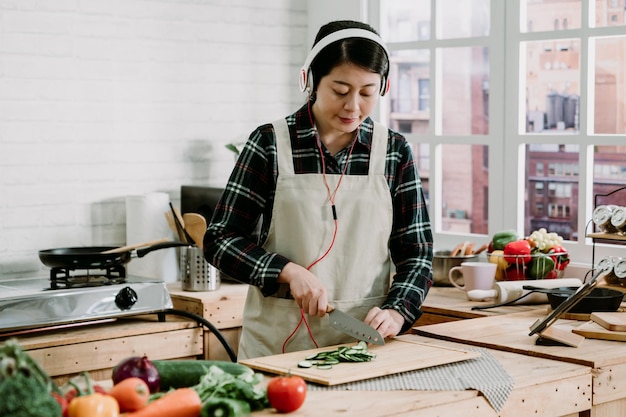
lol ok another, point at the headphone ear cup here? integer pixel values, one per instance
(303, 79)
(309, 82)
(306, 80)
(384, 88)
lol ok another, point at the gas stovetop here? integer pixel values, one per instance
(31, 303)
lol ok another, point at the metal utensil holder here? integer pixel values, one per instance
(196, 273)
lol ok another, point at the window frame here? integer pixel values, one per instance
(506, 142)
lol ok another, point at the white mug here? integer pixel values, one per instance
(476, 275)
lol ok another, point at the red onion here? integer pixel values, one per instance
(139, 367)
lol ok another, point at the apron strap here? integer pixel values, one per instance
(285, 158)
(283, 147)
(378, 156)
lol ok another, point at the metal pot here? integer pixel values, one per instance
(443, 262)
(600, 299)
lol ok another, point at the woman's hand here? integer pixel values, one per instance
(306, 289)
(388, 322)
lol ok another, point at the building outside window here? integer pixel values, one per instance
(521, 84)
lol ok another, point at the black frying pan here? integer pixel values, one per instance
(92, 257)
(599, 299)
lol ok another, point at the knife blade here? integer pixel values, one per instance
(347, 324)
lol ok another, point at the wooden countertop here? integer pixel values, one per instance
(542, 387)
(510, 333)
(444, 304)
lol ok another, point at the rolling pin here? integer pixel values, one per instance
(507, 291)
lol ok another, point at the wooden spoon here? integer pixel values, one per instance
(195, 225)
(135, 246)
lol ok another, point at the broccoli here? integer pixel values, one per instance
(24, 396)
(25, 389)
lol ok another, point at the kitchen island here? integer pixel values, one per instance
(542, 387)
(509, 333)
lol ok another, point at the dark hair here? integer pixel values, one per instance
(362, 52)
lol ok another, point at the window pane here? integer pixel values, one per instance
(409, 94)
(463, 19)
(552, 85)
(549, 15)
(551, 199)
(465, 91)
(610, 85)
(465, 188)
(609, 13)
(609, 173)
(405, 20)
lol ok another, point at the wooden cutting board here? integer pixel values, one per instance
(397, 355)
(593, 330)
(610, 321)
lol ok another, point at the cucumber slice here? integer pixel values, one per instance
(324, 366)
(305, 364)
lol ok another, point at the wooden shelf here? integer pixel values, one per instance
(607, 236)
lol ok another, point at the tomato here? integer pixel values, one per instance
(62, 402)
(515, 273)
(286, 393)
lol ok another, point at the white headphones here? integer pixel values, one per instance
(306, 78)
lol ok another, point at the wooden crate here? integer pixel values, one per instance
(98, 346)
(223, 308)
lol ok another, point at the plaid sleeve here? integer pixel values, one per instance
(230, 243)
(411, 241)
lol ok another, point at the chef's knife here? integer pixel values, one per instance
(347, 324)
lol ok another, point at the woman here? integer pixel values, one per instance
(340, 201)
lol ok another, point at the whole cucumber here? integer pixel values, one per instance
(179, 373)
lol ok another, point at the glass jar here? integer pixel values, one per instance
(618, 219)
(602, 216)
(619, 270)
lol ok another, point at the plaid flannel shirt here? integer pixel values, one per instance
(233, 241)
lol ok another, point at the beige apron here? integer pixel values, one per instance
(355, 272)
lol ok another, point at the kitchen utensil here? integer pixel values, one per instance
(542, 324)
(180, 226)
(347, 324)
(195, 225)
(615, 321)
(443, 261)
(599, 299)
(401, 354)
(196, 273)
(92, 257)
(520, 292)
(593, 330)
(136, 246)
(169, 216)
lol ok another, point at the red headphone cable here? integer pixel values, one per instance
(331, 198)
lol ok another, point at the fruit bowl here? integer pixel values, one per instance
(529, 267)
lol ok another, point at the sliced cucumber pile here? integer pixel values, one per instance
(326, 360)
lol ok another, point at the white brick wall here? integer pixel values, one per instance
(101, 99)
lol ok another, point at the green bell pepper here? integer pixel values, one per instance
(500, 239)
(540, 266)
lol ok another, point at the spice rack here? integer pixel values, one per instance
(603, 237)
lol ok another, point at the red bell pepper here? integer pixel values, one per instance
(517, 252)
(560, 257)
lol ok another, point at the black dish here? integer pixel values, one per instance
(600, 299)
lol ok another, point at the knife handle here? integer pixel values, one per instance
(329, 308)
